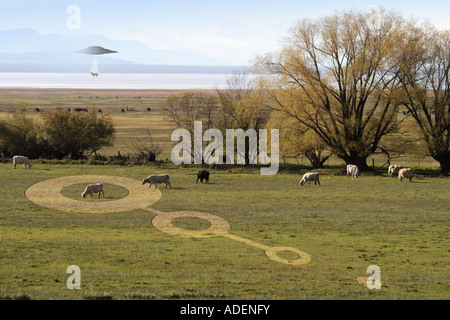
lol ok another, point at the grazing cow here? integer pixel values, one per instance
(405, 173)
(21, 160)
(93, 188)
(353, 170)
(310, 176)
(393, 169)
(157, 178)
(37, 110)
(148, 109)
(203, 175)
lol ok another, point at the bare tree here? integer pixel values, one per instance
(425, 79)
(336, 76)
(242, 105)
(147, 149)
(189, 107)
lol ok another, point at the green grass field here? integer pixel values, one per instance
(345, 225)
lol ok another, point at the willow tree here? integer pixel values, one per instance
(425, 79)
(242, 106)
(337, 76)
(296, 141)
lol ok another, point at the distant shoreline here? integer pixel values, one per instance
(118, 92)
(114, 81)
(119, 68)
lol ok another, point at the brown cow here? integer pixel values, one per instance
(203, 175)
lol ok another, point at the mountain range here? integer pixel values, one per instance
(26, 50)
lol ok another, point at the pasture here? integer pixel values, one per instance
(345, 225)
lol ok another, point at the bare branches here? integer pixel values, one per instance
(343, 74)
(147, 149)
(425, 86)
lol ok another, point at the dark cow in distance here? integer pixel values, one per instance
(203, 175)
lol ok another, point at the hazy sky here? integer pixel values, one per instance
(230, 31)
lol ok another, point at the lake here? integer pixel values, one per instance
(113, 80)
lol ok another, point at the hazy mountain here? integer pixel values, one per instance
(27, 50)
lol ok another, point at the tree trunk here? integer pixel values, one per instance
(316, 160)
(444, 161)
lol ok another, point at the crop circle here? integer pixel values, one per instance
(303, 257)
(217, 225)
(48, 194)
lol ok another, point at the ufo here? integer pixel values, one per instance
(96, 50)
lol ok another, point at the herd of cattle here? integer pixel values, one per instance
(352, 170)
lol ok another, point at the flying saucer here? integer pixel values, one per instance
(95, 50)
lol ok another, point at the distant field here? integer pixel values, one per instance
(345, 225)
(134, 122)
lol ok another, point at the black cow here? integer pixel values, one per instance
(203, 175)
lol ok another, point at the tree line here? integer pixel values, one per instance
(340, 85)
(60, 134)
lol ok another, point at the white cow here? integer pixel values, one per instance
(353, 170)
(93, 188)
(157, 178)
(310, 176)
(21, 160)
(405, 173)
(393, 169)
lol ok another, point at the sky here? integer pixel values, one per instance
(232, 32)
